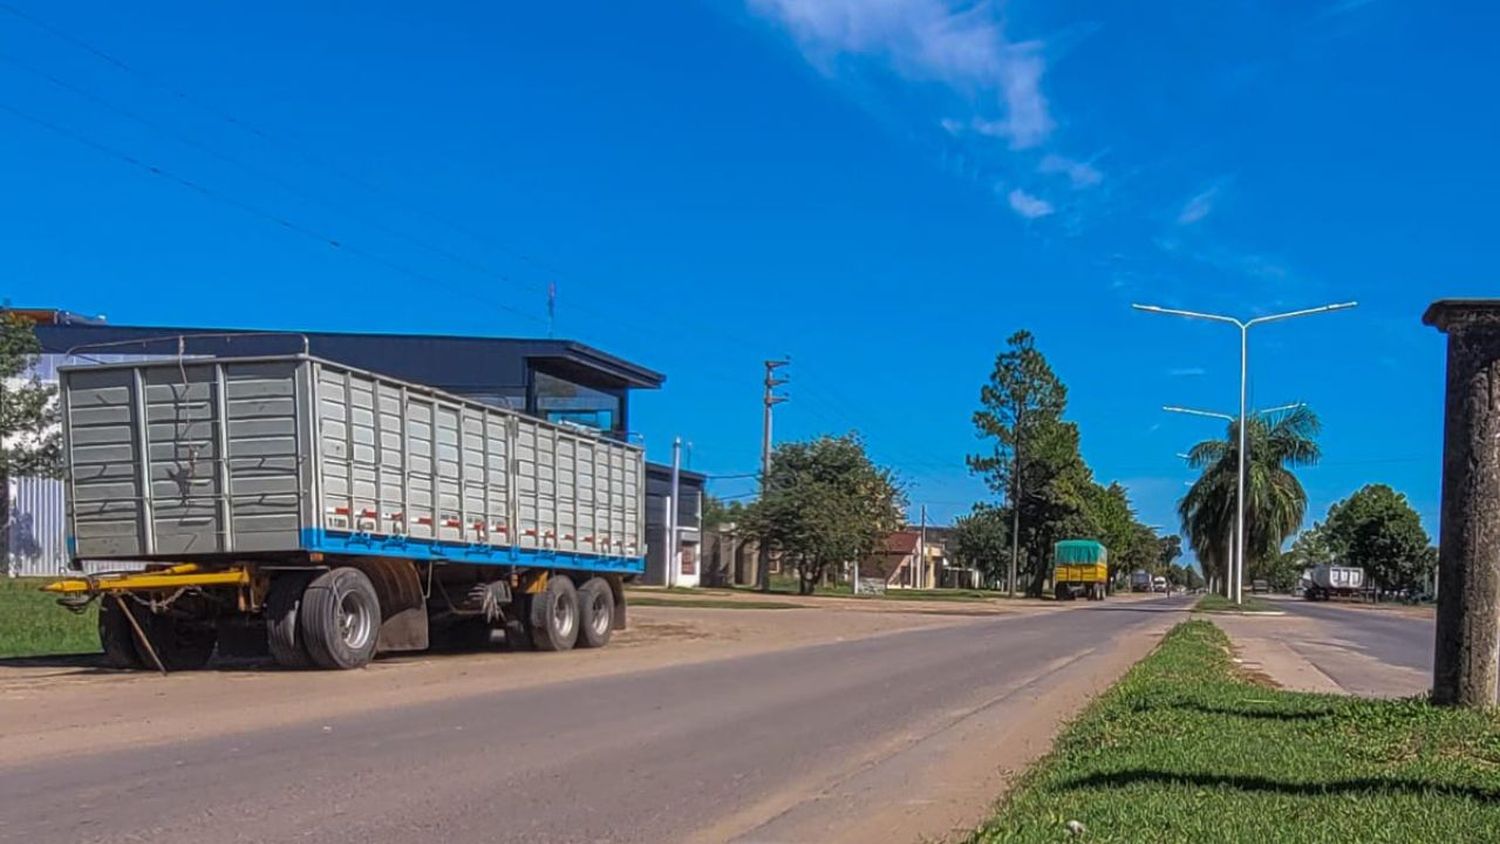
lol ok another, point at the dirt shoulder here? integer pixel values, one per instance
(63, 706)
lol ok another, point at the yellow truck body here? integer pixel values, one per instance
(1083, 573)
(1080, 567)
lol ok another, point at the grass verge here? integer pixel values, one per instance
(1219, 603)
(32, 624)
(712, 603)
(940, 595)
(1184, 750)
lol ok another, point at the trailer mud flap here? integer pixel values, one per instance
(403, 609)
(617, 590)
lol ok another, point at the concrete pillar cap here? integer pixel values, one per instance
(1446, 314)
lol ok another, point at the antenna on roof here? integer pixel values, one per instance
(551, 307)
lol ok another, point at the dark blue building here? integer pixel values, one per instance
(558, 380)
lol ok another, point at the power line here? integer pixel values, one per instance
(246, 207)
(257, 172)
(252, 129)
(839, 409)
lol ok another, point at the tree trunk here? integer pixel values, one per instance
(1465, 671)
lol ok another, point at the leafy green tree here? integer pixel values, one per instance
(716, 511)
(1275, 501)
(1168, 549)
(1131, 544)
(1185, 575)
(30, 437)
(1020, 414)
(825, 504)
(1280, 571)
(1376, 528)
(1057, 505)
(1312, 547)
(981, 539)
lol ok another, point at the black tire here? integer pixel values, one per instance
(182, 644)
(554, 616)
(339, 619)
(596, 613)
(283, 602)
(117, 636)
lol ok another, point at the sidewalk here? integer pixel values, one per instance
(1332, 655)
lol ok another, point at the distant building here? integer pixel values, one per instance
(563, 381)
(689, 570)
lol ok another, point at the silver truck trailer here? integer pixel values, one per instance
(1322, 582)
(326, 513)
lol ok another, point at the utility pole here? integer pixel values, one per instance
(922, 550)
(768, 401)
(674, 546)
(1015, 511)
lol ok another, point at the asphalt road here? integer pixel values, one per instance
(1366, 651)
(804, 744)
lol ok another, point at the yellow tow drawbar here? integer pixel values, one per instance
(175, 577)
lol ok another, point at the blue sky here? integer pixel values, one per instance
(882, 190)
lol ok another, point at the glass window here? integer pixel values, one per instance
(559, 400)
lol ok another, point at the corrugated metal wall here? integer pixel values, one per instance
(36, 536)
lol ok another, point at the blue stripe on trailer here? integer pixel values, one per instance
(345, 542)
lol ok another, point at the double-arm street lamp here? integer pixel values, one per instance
(1236, 573)
(1244, 326)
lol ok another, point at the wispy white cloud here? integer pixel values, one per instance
(1028, 206)
(1198, 207)
(1257, 266)
(963, 47)
(1081, 174)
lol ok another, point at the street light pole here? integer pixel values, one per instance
(1244, 325)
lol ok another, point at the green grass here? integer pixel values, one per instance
(713, 603)
(940, 595)
(32, 624)
(1184, 750)
(1219, 603)
(787, 585)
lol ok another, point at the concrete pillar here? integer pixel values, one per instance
(1467, 660)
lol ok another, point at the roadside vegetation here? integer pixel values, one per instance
(1219, 603)
(32, 624)
(713, 603)
(1185, 750)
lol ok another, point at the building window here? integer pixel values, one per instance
(558, 400)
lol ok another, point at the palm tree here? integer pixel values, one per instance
(1274, 499)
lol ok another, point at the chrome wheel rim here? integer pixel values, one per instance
(600, 615)
(355, 622)
(563, 618)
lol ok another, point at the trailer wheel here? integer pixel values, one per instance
(339, 619)
(282, 604)
(596, 613)
(554, 615)
(116, 635)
